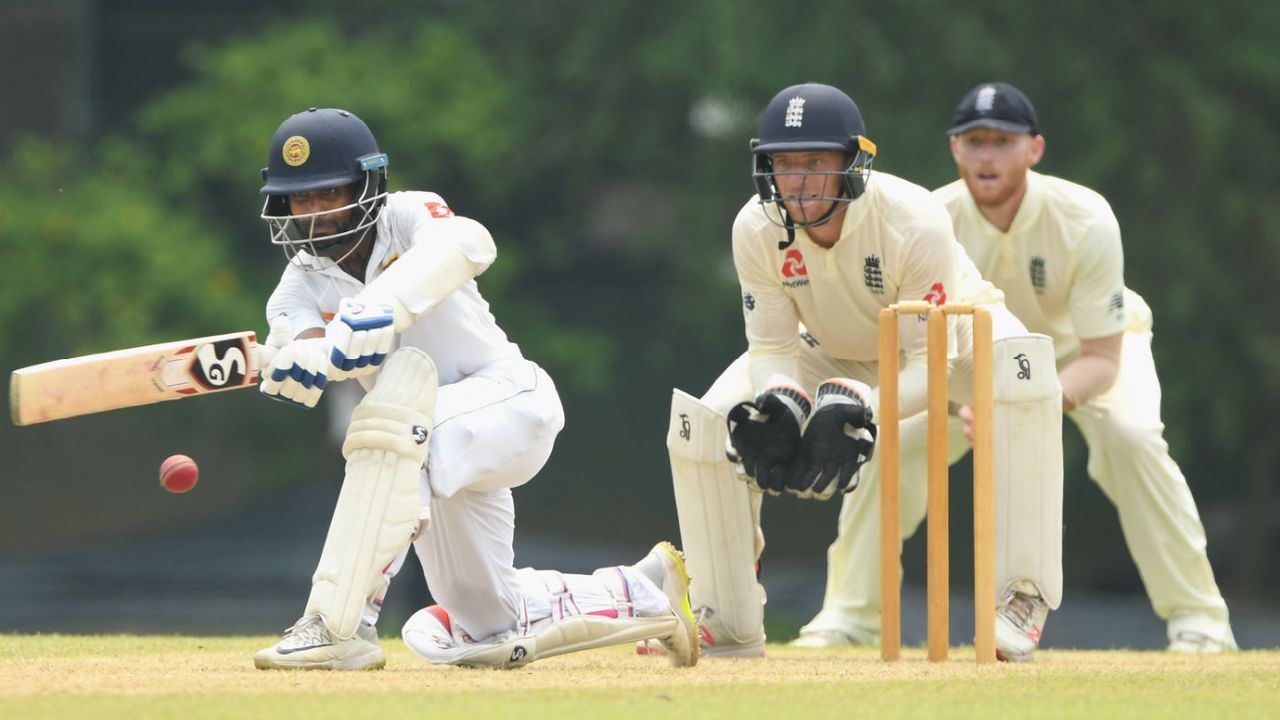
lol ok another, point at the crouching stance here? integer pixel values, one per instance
(819, 251)
(381, 288)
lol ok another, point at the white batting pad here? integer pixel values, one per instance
(1028, 465)
(719, 522)
(584, 632)
(378, 508)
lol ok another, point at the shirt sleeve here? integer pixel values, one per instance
(930, 272)
(772, 320)
(1097, 288)
(424, 216)
(293, 298)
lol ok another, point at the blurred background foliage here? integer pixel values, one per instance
(605, 145)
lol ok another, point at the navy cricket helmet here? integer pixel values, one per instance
(318, 149)
(806, 118)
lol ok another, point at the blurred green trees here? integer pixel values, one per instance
(605, 146)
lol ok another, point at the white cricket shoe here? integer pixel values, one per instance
(1200, 635)
(827, 638)
(682, 645)
(1019, 624)
(309, 645)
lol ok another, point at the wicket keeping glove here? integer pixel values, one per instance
(765, 435)
(361, 335)
(297, 372)
(840, 437)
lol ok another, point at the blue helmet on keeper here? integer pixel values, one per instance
(805, 118)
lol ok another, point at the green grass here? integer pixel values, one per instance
(58, 676)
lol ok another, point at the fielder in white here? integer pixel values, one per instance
(821, 249)
(380, 287)
(1054, 248)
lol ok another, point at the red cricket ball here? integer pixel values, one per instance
(178, 474)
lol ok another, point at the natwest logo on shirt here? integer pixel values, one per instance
(937, 295)
(793, 265)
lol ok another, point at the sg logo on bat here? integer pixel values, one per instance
(221, 364)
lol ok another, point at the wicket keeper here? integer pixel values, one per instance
(820, 249)
(1054, 248)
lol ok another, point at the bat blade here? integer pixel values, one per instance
(133, 376)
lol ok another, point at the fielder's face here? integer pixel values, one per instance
(994, 163)
(809, 182)
(320, 201)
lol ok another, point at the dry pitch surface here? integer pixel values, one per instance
(59, 676)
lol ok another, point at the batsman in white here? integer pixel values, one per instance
(1054, 248)
(381, 287)
(820, 250)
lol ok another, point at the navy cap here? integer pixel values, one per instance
(999, 106)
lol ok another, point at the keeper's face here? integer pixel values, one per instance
(809, 182)
(994, 163)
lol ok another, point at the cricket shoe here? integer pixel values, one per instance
(682, 645)
(827, 638)
(711, 638)
(309, 645)
(1200, 635)
(1019, 624)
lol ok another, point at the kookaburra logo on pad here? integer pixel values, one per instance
(419, 434)
(1024, 366)
(795, 113)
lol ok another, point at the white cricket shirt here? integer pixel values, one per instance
(460, 334)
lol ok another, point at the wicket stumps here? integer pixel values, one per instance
(983, 483)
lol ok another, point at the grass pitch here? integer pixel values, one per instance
(61, 676)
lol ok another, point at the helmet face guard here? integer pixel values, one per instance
(811, 117)
(295, 234)
(853, 182)
(319, 149)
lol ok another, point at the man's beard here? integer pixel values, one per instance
(331, 243)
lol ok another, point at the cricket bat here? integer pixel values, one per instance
(135, 376)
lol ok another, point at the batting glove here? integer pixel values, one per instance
(297, 372)
(279, 337)
(360, 335)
